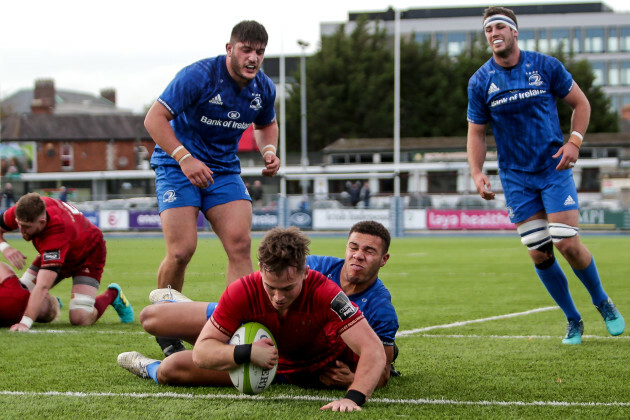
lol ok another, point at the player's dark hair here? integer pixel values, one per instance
(283, 248)
(29, 207)
(374, 228)
(498, 10)
(249, 31)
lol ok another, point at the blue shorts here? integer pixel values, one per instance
(527, 193)
(173, 190)
(210, 309)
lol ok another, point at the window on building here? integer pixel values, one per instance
(456, 43)
(624, 39)
(543, 41)
(614, 78)
(527, 40)
(613, 40)
(594, 40)
(576, 46)
(599, 71)
(560, 40)
(625, 73)
(442, 182)
(422, 38)
(67, 157)
(439, 43)
(590, 180)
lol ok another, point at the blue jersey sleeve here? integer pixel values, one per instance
(561, 79)
(185, 89)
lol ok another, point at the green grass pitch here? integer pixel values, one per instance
(462, 355)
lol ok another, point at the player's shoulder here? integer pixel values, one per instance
(482, 74)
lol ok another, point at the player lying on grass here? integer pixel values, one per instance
(313, 321)
(357, 275)
(69, 245)
(14, 297)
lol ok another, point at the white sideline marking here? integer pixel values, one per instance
(529, 337)
(418, 401)
(474, 321)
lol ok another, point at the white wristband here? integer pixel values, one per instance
(27, 321)
(272, 151)
(577, 134)
(177, 149)
(186, 156)
(4, 245)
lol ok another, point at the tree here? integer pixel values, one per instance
(349, 86)
(350, 93)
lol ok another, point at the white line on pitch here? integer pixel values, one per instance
(416, 401)
(512, 337)
(474, 321)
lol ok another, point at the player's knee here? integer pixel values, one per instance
(561, 231)
(148, 318)
(81, 309)
(239, 248)
(182, 255)
(535, 234)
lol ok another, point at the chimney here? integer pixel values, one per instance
(43, 97)
(109, 94)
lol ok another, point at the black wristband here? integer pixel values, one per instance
(242, 353)
(356, 396)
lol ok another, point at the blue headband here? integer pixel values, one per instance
(500, 18)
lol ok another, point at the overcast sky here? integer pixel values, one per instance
(137, 46)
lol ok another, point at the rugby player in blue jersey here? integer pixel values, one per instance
(357, 275)
(196, 124)
(515, 91)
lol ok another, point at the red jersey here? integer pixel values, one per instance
(68, 240)
(308, 335)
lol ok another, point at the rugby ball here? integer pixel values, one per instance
(248, 378)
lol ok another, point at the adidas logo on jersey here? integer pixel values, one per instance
(493, 88)
(569, 201)
(216, 100)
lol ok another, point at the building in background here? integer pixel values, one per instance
(591, 31)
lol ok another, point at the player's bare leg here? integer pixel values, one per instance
(82, 311)
(232, 222)
(179, 369)
(182, 320)
(180, 234)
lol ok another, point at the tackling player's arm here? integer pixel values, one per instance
(267, 141)
(363, 341)
(45, 280)
(212, 351)
(157, 124)
(476, 149)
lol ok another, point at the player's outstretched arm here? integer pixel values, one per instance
(363, 341)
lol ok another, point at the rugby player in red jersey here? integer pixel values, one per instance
(69, 245)
(311, 318)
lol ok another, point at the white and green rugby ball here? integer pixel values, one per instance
(248, 378)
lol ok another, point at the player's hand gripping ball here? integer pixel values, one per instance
(247, 377)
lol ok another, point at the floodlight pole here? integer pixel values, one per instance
(304, 156)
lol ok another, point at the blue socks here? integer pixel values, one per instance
(557, 285)
(590, 278)
(152, 370)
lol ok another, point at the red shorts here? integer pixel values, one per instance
(13, 300)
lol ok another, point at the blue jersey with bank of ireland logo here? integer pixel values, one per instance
(520, 104)
(211, 112)
(375, 302)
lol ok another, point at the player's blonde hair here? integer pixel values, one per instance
(283, 248)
